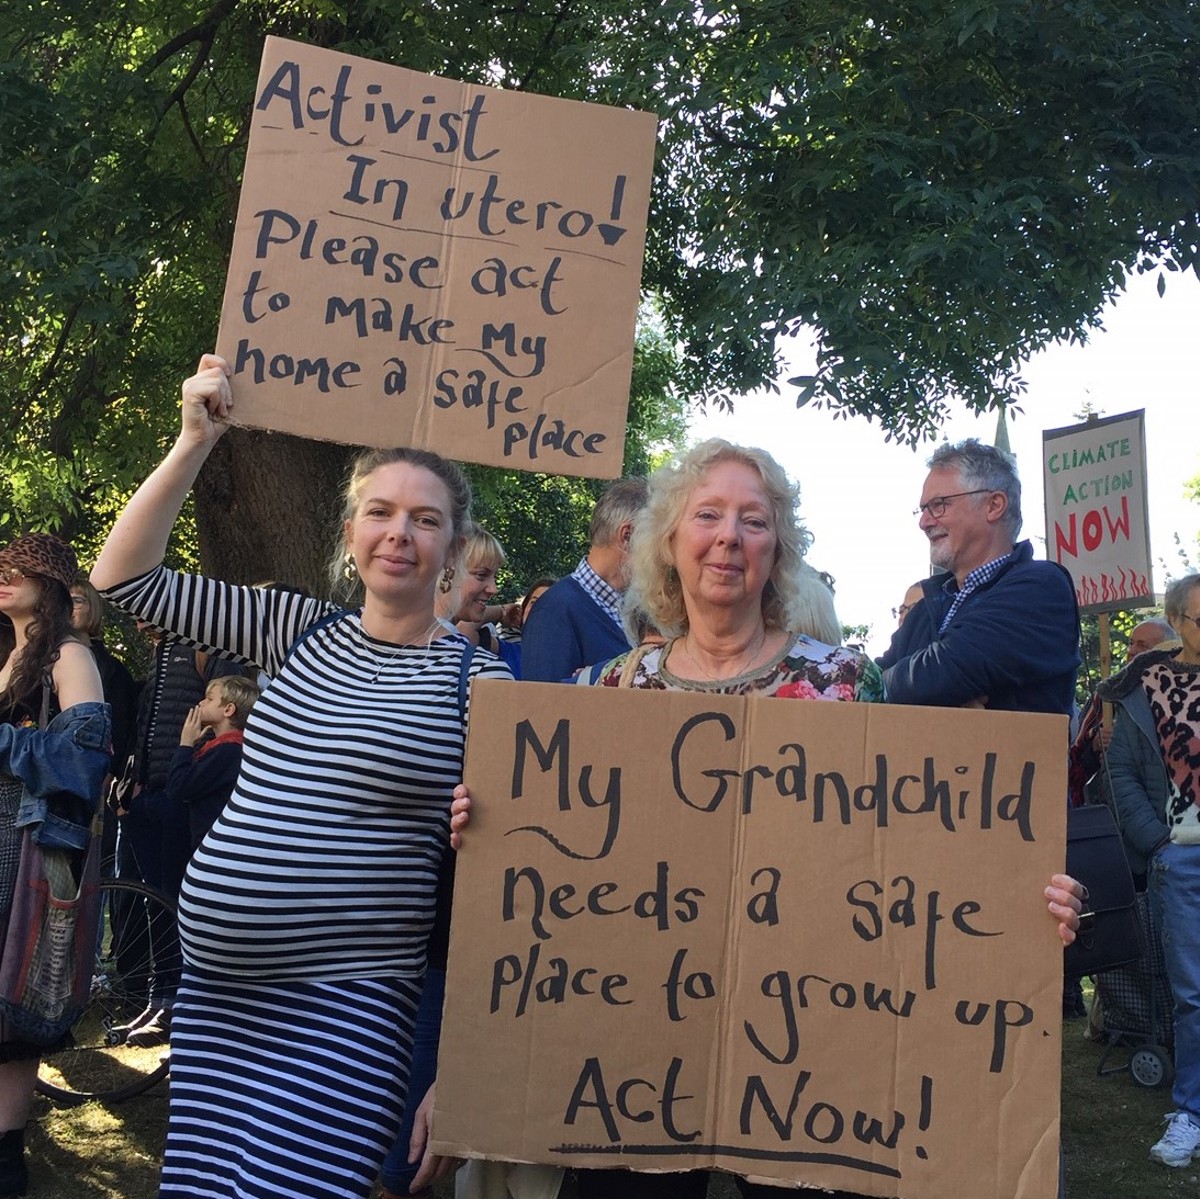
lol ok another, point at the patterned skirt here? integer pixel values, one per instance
(10, 841)
(292, 1088)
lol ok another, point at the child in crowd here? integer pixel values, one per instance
(205, 767)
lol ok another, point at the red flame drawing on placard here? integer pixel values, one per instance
(1108, 588)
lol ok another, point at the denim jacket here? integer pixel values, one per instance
(61, 769)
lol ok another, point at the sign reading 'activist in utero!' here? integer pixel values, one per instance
(420, 261)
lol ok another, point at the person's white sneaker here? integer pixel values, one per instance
(1180, 1143)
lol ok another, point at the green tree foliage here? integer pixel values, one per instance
(124, 127)
(1120, 628)
(937, 188)
(1188, 555)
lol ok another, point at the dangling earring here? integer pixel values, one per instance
(350, 569)
(447, 580)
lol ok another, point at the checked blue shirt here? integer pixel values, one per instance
(977, 577)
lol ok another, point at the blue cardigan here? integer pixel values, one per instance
(566, 631)
(1015, 640)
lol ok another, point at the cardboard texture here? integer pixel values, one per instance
(800, 941)
(1097, 518)
(419, 261)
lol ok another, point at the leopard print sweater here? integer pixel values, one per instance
(1173, 689)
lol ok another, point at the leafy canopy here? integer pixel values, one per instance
(936, 188)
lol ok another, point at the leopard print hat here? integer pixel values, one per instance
(42, 554)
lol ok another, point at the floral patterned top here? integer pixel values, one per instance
(809, 670)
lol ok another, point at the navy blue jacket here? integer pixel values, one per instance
(175, 685)
(202, 780)
(1014, 640)
(566, 631)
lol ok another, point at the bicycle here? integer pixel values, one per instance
(137, 921)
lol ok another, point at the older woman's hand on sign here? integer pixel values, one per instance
(1066, 896)
(460, 814)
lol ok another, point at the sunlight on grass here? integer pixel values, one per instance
(1109, 1124)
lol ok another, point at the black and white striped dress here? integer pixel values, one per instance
(305, 911)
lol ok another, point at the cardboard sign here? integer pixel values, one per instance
(800, 941)
(1097, 519)
(424, 262)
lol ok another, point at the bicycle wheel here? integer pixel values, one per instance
(136, 922)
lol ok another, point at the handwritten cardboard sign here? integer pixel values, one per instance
(419, 261)
(1097, 519)
(794, 940)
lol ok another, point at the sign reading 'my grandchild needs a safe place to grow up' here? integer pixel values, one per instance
(419, 261)
(797, 941)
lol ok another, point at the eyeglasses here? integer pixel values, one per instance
(936, 507)
(1194, 619)
(77, 601)
(10, 575)
(903, 610)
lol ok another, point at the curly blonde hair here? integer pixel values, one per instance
(651, 559)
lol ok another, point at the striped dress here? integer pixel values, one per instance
(305, 911)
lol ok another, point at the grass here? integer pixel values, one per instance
(94, 1152)
(1109, 1123)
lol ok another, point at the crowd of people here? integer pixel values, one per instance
(286, 736)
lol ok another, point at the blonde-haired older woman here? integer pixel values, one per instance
(1154, 764)
(717, 558)
(718, 563)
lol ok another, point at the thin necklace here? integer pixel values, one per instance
(428, 635)
(742, 666)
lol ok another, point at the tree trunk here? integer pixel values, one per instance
(268, 508)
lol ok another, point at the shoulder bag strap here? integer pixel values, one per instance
(632, 661)
(47, 696)
(464, 679)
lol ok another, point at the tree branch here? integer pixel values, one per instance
(559, 17)
(51, 366)
(202, 32)
(191, 133)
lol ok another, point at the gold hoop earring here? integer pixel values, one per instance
(447, 580)
(350, 569)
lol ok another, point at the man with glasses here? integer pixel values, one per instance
(998, 630)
